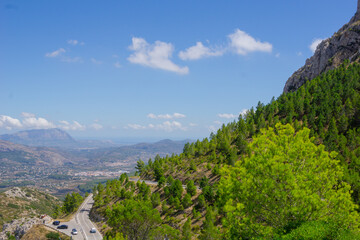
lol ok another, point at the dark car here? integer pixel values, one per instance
(62, 227)
(56, 222)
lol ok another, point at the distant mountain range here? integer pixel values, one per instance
(40, 137)
(55, 147)
(13, 154)
(132, 153)
(53, 138)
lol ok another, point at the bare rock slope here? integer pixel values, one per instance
(330, 53)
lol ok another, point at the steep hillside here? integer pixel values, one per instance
(18, 203)
(330, 53)
(277, 179)
(329, 106)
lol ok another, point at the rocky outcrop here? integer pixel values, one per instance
(330, 53)
(19, 227)
(17, 192)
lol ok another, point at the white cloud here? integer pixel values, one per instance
(71, 59)
(37, 123)
(73, 42)
(30, 121)
(74, 126)
(277, 55)
(135, 126)
(55, 53)
(218, 122)
(231, 116)
(192, 124)
(94, 61)
(27, 115)
(166, 116)
(168, 126)
(117, 64)
(155, 55)
(96, 126)
(242, 43)
(9, 122)
(315, 43)
(243, 112)
(299, 54)
(227, 115)
(199, 51)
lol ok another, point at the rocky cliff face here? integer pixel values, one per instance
(19, 227)
(330, 53)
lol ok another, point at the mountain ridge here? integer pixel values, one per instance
(343, 46)
(40, 137)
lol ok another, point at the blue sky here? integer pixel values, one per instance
(151, 69)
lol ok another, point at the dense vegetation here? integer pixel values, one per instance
(289, 169)
(132, 210)
(71, 204)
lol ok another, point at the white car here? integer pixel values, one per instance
(92, 230)
(74, 232)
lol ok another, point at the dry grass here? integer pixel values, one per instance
(38, 232)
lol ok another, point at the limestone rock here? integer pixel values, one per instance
(329, 54)
(19, 227)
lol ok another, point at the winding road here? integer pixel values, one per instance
(81, 222)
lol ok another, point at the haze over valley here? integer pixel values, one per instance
(54, 161)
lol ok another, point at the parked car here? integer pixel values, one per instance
(93, 230)
(56, 222)
(62, 227)
(74, 232)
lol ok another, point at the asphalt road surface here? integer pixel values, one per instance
(81, 222)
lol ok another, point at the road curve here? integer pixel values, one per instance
(81, 222)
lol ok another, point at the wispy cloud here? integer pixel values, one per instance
(155, 55)
(55, 53)
(72, 59)
(167, 126)
(74, 126)
(170, 126)
(73, 42)
(315, 43)
(96, 126)
(227, 115)
(232, 116)
(199, 51)
(242, 43)
(117, 64)
(94, 61)
(166, 116)
(135, 126)
(239, 42)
